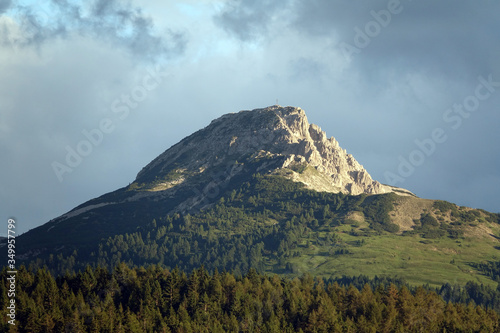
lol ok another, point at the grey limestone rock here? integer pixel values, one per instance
(282, 136)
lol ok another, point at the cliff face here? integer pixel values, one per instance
(281, 137)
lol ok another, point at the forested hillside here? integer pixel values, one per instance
(155, 300)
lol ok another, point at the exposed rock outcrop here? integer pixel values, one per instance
(280, 135)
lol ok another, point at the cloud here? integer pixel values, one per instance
(5, 5)
(446, 37)
(113, 21)
(249, 20)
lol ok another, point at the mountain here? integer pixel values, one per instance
(281, 136)
(266, 189)
(274, 140)
(192, 173)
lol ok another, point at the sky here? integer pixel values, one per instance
(91, 92)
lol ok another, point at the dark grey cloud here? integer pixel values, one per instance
(114, 21)
(448, 37)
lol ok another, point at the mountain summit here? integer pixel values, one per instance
(281, 136)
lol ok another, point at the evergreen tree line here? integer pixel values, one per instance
(472, 293)
(156, 299)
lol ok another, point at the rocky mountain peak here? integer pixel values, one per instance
(226, 154)
(279, 138)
